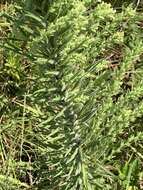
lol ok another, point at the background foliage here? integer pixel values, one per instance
(71, 90)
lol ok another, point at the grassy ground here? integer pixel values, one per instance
(71, 88)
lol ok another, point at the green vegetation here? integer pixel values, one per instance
(71, 96)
